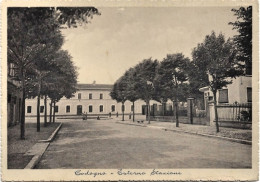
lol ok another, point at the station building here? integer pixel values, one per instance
(93, 99)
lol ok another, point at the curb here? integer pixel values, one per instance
(36, 158)
(51, 138)
(247, 142)
(213, 136)
(131, 124)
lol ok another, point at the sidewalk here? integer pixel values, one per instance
(232, 133)
(17, 149)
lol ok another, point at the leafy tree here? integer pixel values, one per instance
(145, 74)
(218, 56)
(30, 29)
(131, 89)
(161, 90)
(61, 80)
(119, 93)
(172, 75)
(243, 40)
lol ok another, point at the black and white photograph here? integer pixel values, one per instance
(118, 91)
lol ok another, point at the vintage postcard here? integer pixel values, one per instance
(129, 90)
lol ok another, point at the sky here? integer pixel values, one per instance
(122, 37)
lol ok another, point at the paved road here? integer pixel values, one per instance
(106, 144)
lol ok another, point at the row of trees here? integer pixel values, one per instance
(34, 48)
(177, 78)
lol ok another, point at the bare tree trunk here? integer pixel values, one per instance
(163, 108)
(148, 112)
(54, 104)
(123, 111)
(45, 110)
(133, 111)
(216, 111)
(176, 113)
(38, 113)
(38, 107)
(50, 116)
(22, 125)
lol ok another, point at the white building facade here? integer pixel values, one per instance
(93, 99)
(232, 99)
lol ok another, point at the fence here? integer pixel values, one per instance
(235, 112)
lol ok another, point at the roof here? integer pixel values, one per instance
(203, 89)
(94, 86)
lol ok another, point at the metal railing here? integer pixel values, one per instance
(235, 112)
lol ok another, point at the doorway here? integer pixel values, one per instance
(79, 109)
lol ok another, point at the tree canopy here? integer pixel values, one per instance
(243, 40)
(218, 56)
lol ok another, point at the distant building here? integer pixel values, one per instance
(14, 97)
(93, 99)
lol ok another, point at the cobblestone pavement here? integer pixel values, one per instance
(106, 144)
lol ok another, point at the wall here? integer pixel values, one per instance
(14, 102)
(237, 90)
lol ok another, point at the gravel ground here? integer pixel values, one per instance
(17, 147)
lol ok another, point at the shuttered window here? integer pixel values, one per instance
(113, 108)
(41, 109)
(29, 109)
(223, 96)
(90, 108)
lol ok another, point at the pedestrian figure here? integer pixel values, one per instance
(110, 114)
(98, 118)
(84, 116)
(116, 114)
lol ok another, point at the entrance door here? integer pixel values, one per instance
(79, 109)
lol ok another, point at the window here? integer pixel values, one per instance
(101, 96)
(56, 109)
(90, 96)
(101, 108)
(90, 108)
(113, 108)
(223, 96)
(29, 109)
(249, 94)
(41, 109)
(79, 95)
(67, 109)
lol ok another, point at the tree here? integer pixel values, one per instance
(172, 75)
(119, 93)
(243, 40)
(131, 89)
(145, 74)
(61, 80)
(219, 57)
(28, 31)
